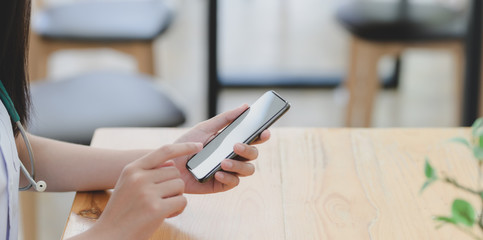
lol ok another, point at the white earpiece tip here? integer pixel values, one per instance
(40, 186)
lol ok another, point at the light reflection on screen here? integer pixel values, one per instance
(247, 124)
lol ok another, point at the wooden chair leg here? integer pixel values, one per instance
(145, 57)
(363, 84)
(28, 210)
(350, 82)
(38, 57)
(457, 51)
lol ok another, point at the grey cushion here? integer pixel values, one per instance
(104, 20)
(72, 109)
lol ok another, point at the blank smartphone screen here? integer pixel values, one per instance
(243, 129)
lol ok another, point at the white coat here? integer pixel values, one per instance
(9, 179)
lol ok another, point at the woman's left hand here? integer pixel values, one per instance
(232, 169)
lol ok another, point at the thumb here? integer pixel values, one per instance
(167, 152)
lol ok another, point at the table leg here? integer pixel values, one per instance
(213, 82)
(471, 90)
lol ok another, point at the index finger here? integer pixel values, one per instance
(167, 152)
(215, 124)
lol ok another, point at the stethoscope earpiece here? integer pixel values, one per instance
(40, 186)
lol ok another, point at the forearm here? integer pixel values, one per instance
(72, 167)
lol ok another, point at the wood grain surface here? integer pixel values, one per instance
(314, 183)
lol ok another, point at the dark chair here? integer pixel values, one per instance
(127, 26)
(72, 109)
(378, 29)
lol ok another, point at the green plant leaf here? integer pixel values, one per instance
(478, 152)
(461, 140)
(430, 175)
(463, 212)
(476, 125)
(429, 170)
(445, 219)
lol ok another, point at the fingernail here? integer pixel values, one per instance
(167, 164)
(228, 164)
(221, 175)
(240, 147)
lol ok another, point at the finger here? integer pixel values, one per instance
(171, 188)
(246, 151)
(265, 136)
(167, 164)
(237, 167)
(175, 214)
(163, 174)
(167, 152)
(218, 122)
(228, 180)
(174, 206)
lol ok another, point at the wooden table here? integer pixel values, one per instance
(315, 184)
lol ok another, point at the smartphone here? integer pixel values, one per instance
(244, 129)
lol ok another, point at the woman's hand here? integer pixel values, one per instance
(148, 191)
(232, 169)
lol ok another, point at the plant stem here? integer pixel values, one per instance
(459, 186)
(467, 189)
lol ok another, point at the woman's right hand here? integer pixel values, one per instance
(148, 191)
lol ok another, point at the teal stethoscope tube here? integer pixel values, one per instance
(8, 104)
(7, 101)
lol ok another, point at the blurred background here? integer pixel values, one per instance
(303, 49)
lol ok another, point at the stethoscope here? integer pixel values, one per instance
(39, 186)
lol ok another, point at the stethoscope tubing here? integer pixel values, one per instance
(39, 186)
(30, 177)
